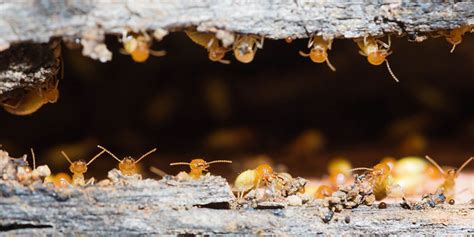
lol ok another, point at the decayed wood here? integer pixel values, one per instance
(130, 205)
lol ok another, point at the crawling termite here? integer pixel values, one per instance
(33, 99)
(197, 166)
(319, 50)
(211, 43)
(263, 175)
(381, 180)
(376, 51)
(138, 46)
(127, 165)
(245, 47)
(450, 175)
(78, 168)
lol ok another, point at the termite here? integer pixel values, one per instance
(252, 179)
(455, 36)
(211, 43)
(339, 170)
(319, 50)
(197, 166)
(245, 47)
(381, 180)
(34, 99)
(376, 52)
(60, 180)
(138, 46)
(127, 165)
(78, 168)
(450, 175)
(323, 191)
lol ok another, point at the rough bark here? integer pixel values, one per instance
(38, 21)
(132, 206)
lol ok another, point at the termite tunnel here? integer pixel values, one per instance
(281, 108)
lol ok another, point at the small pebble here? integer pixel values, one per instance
(347, 219)
(382, 205)
(451, 201)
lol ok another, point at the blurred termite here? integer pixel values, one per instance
(253, 179)
(319, 50)
(33, 99)
(78, 168)
(339, 171)
(60, 180)
(138, 46)
(211, 43)
(127, 165)
(450, 175)
(454, 37)
(381, 180)
(245, 47)
(323, 191)
(376, 52)
(197, 166)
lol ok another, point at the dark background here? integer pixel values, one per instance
(175, 102)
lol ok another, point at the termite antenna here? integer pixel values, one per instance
(390, 71)
(179, 163)
(304, 54)
(34, 158)
(360, 168)
(158, 171)
(435, 164)
(219, 161)
(452, 49)
(110, 153)
(464, 165)
(330, 65)
(95, 157)
(67, 157)
(145, 155)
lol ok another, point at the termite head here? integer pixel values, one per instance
(217, 54)
(264, 172)
(377, 57)
(318, 54)
(199, 164)
(127, 165)
(381, 169)
(244, 51)
(78, 167)
(137, 46)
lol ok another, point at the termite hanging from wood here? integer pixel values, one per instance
(319, 50)
(138, 46)
(245, 47)
(454, 36)
(450, 175)
(211, 43)
(197, 166)
(33, 99)
(78, 168)
(127, 165)
(376, 52)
